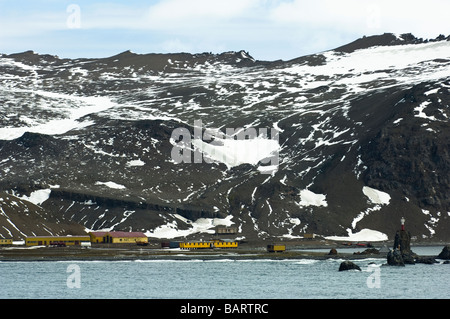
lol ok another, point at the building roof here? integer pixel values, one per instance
(56, 237)
(98, 233)
(126, 234)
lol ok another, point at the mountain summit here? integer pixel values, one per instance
(173, 145)
(387, 39)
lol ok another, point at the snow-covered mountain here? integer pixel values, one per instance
(174, 144)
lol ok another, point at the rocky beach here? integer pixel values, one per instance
(248, 251)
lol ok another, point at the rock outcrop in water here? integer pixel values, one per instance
(426, 260)
(402, 242)
(368, 251)
(401, 253)
(445, 253)
(348, 265)
(333, 251)
(394, 258)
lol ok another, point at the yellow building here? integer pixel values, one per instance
(209, 244)
(57, 240)
(118, 237)
(225, 244)
(98, 236)
(6, 241)
(276, 248)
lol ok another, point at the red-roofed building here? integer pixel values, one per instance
(118, 237)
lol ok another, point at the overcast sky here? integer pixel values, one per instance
(268, 29)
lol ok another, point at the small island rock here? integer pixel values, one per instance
(348, 265)
(394, 258)
(445, 253)
(333, 251)
(426, 260)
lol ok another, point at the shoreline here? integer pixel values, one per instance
(134, 253)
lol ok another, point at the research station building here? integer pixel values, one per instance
(57, 240)
(118, 237)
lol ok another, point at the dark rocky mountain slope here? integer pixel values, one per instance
(357, 137)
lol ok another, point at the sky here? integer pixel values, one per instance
(268, 29)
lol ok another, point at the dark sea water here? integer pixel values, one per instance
(222, 279)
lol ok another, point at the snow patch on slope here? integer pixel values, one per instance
(137, 162)
(75, 107)
(376, 196)
(201, 225)
(37, 197)
(236, 152)
(308, 198)
(111, 185)
(364, 235)
(376, 63)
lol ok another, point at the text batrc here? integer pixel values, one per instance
(246, 308)
(228, 309)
